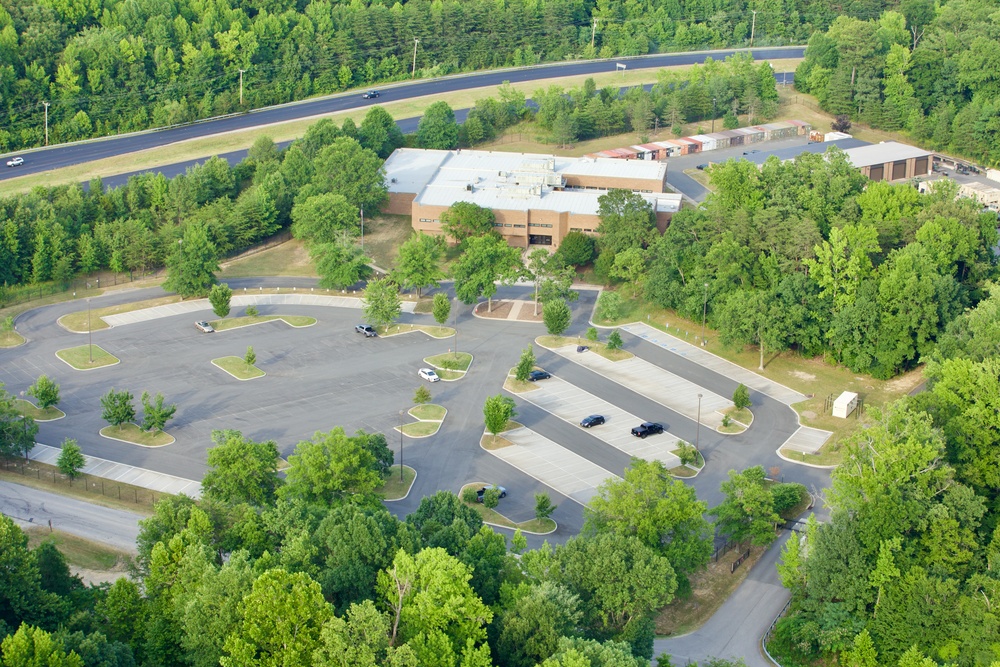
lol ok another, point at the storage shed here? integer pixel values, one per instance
(845, 404)
(707, 142)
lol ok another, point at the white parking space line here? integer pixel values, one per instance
(806, 440)
(778, 392)
(558, 468)
(660, 385)
(570, 403)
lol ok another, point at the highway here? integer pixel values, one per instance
(56, 157)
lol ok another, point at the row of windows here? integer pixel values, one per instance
(579, 229)
(429, 220)
(535, 224)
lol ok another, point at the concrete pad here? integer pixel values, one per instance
(655, 383)
(702, 357)
(570, 403)
(558, 468)
(806, 440)
(305, 298)
(119, 472)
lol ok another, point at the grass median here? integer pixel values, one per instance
(11, 339)
(87, 357)
(296, 321)
(238, 368)
(29, 409)
(134, 435)
(77, 322)
(552, 342)
(492, 516)
(395, 488)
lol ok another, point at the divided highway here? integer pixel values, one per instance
(71, 154)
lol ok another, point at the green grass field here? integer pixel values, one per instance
(11, 339)
(87, 357)
(428, 412)
(393, 488)
(76, 550)
(135, 435)
(420, 429)
(29, 409)
(238, 368)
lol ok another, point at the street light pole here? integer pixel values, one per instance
(413, 74)
(46, 105)
(714, 114)
(362, 228)
(400, 445)
(241, 86)
(704, 313)
(753, 26)
(697, 432)
(90, 337)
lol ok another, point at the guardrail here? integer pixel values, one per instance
(770, 629)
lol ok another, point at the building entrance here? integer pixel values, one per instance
(539, 239)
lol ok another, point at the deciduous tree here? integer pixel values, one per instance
(117, 408)
(219, 296)
(437, 127)
(419, 262)
(557, 316)
(525, 365)
(330, 467)
(155, 415)
(486, 260)
(241, 470)
(45, 391)
(464, 220)
(191, 267)
(497, 411)
(71, 459)
(381, 303)
(747, 513)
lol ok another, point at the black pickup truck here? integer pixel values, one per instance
(647, 428)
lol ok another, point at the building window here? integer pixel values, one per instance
(533, 224)
(425, 219)
(507, 224)
(518, 226)
(498, 224)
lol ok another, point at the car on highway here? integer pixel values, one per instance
(15, 162)
(429, 375)
(204, 326)
(365, 329)
(535, 376)
(647, 428)
(592, 420)
(751, 152)
(482, 492)
(371, 94)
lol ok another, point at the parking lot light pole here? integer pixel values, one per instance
(90, 337)
(704, 312)
(697, 431)
(400, 445)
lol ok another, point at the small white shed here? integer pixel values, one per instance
(845, 404)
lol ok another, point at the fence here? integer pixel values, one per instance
(89, 483)
(723, 550)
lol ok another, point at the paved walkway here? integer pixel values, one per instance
(119, 472)
(570, 403)
(807, 440)
(535, 455)
(660, 385)
(304, 298)
(777, 391)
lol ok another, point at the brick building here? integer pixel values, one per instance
(537, 199)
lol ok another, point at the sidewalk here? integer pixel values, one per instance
(119, 472)
(303, 298)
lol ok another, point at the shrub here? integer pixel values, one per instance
(592, 334)
(576, 249)
(252, 311)
(422, 395)
(469, 494)
(615, 340)
(741, 397)
(787, 496)
(491, 498)
(609, 306)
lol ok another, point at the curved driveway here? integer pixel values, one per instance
(66, 155)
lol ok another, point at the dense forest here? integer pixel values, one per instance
(110, 66)
(906, 570)
(930, 70)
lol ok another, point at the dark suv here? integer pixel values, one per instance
(365, 329)
(647, 428)
(534, 376)
(371, 94)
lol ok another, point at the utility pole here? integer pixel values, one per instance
(593, 33)
(704, 313)
(413, 74)
(362, 228)
(697, 432)
(241, 86)
(46, 105)
(753, 26)
(714, 114)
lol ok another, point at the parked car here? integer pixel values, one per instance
(371, 94)
(204, 326)
(15, 162)
(534, 376)
(647, 428)
(702, 167)
(429, 375)
(592, 420)
(365, 329)
(751, 152)
(482, 492)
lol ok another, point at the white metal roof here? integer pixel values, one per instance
(887, 151)
(410, 170)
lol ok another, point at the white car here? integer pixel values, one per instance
(204, 327)
(15, 162)
(428, 375)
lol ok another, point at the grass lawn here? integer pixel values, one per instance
(450, 361)
(421, 429)
(542, 526)
(682, 471)
(11, 339)
(491, 442)
(828, 455)
(249, 320)
(428, 412)
(238, 368)
(135, 435)
(78, 552)
(699, 461)
(77, 322)
(287, 259)
(709, 589)
(700, 177)
(80, 357)
(741, 415)
(595, 347)
(515, 386)
(430, 330)
(29, 409)
(393, 488)
(732, 429)
(383, 235)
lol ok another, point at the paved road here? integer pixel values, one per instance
(29, 506)
(66, 155)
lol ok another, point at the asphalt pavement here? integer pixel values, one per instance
(33, 507)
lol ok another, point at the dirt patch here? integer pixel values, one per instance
(906, 383)
(96, 577)
(809, 414)
(802, 375)
(500, 311)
